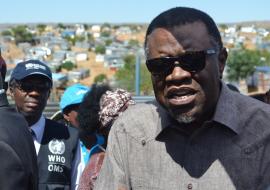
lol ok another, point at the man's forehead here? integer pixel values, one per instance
(192, 36)
(159, 36)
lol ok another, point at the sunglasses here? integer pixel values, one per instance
(29, 87)
(191, 61)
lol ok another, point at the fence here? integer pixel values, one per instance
(53, 107)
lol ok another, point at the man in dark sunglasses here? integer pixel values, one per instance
(198, 134)
(57, 146)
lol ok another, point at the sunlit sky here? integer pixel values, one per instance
(126, 11)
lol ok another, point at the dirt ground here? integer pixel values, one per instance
(95, 69)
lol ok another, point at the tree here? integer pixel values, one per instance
(105, 25)
(146, 83)
(61, 26)
(21, 34)
(223, 26)
(74, 39)
(242, 63)
(90, 38)
(100, 49)
(101, 78)
(105, 33)
(238, 27)
(41, 28)
(133, 43)
(108, 42)
(68, 65)
(134, 27)
(86, 26)
(115, 27)
(267, 38)
(6, 33)
(126, 76)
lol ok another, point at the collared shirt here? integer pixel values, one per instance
(148, 150)
(2, 91)
(38, 129)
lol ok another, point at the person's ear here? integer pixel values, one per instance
(222, 57)
(48, 94)
(11, 92)
(66, 117)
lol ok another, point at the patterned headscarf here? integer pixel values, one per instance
(112, 104)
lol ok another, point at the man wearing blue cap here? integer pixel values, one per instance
(57, 146)
(17, 155)
(69, 105)
(70, 102)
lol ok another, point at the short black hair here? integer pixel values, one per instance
(88, 116)
(183, 15)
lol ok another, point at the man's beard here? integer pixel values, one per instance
(183, 118)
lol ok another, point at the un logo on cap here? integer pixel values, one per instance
(57, 146)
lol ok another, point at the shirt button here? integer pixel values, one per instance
(189, 186)
(143, 142)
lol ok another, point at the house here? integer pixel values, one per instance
(99, 58)
(59, 80)
(81, 56)
(96, 29)
(59, 56)
(114, 62)
(248, 29)
(77, 75)
(79, 29)
(68, 33)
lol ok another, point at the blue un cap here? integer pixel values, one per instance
(73, 95)
(31, 67)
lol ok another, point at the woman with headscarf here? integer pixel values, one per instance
(111, 105)
(88, 122)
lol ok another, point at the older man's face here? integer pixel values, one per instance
(188, 96)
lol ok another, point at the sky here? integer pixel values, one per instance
(126, 11)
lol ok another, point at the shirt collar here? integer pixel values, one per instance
(226, 112)
(38, 128)
(227, 109)
(2, 91)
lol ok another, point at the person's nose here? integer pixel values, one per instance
(179, 74)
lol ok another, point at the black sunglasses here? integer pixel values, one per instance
(192, 61)
(29, 87)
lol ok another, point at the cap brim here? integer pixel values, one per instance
(35, 73)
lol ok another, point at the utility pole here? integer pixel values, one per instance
(137, 75)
